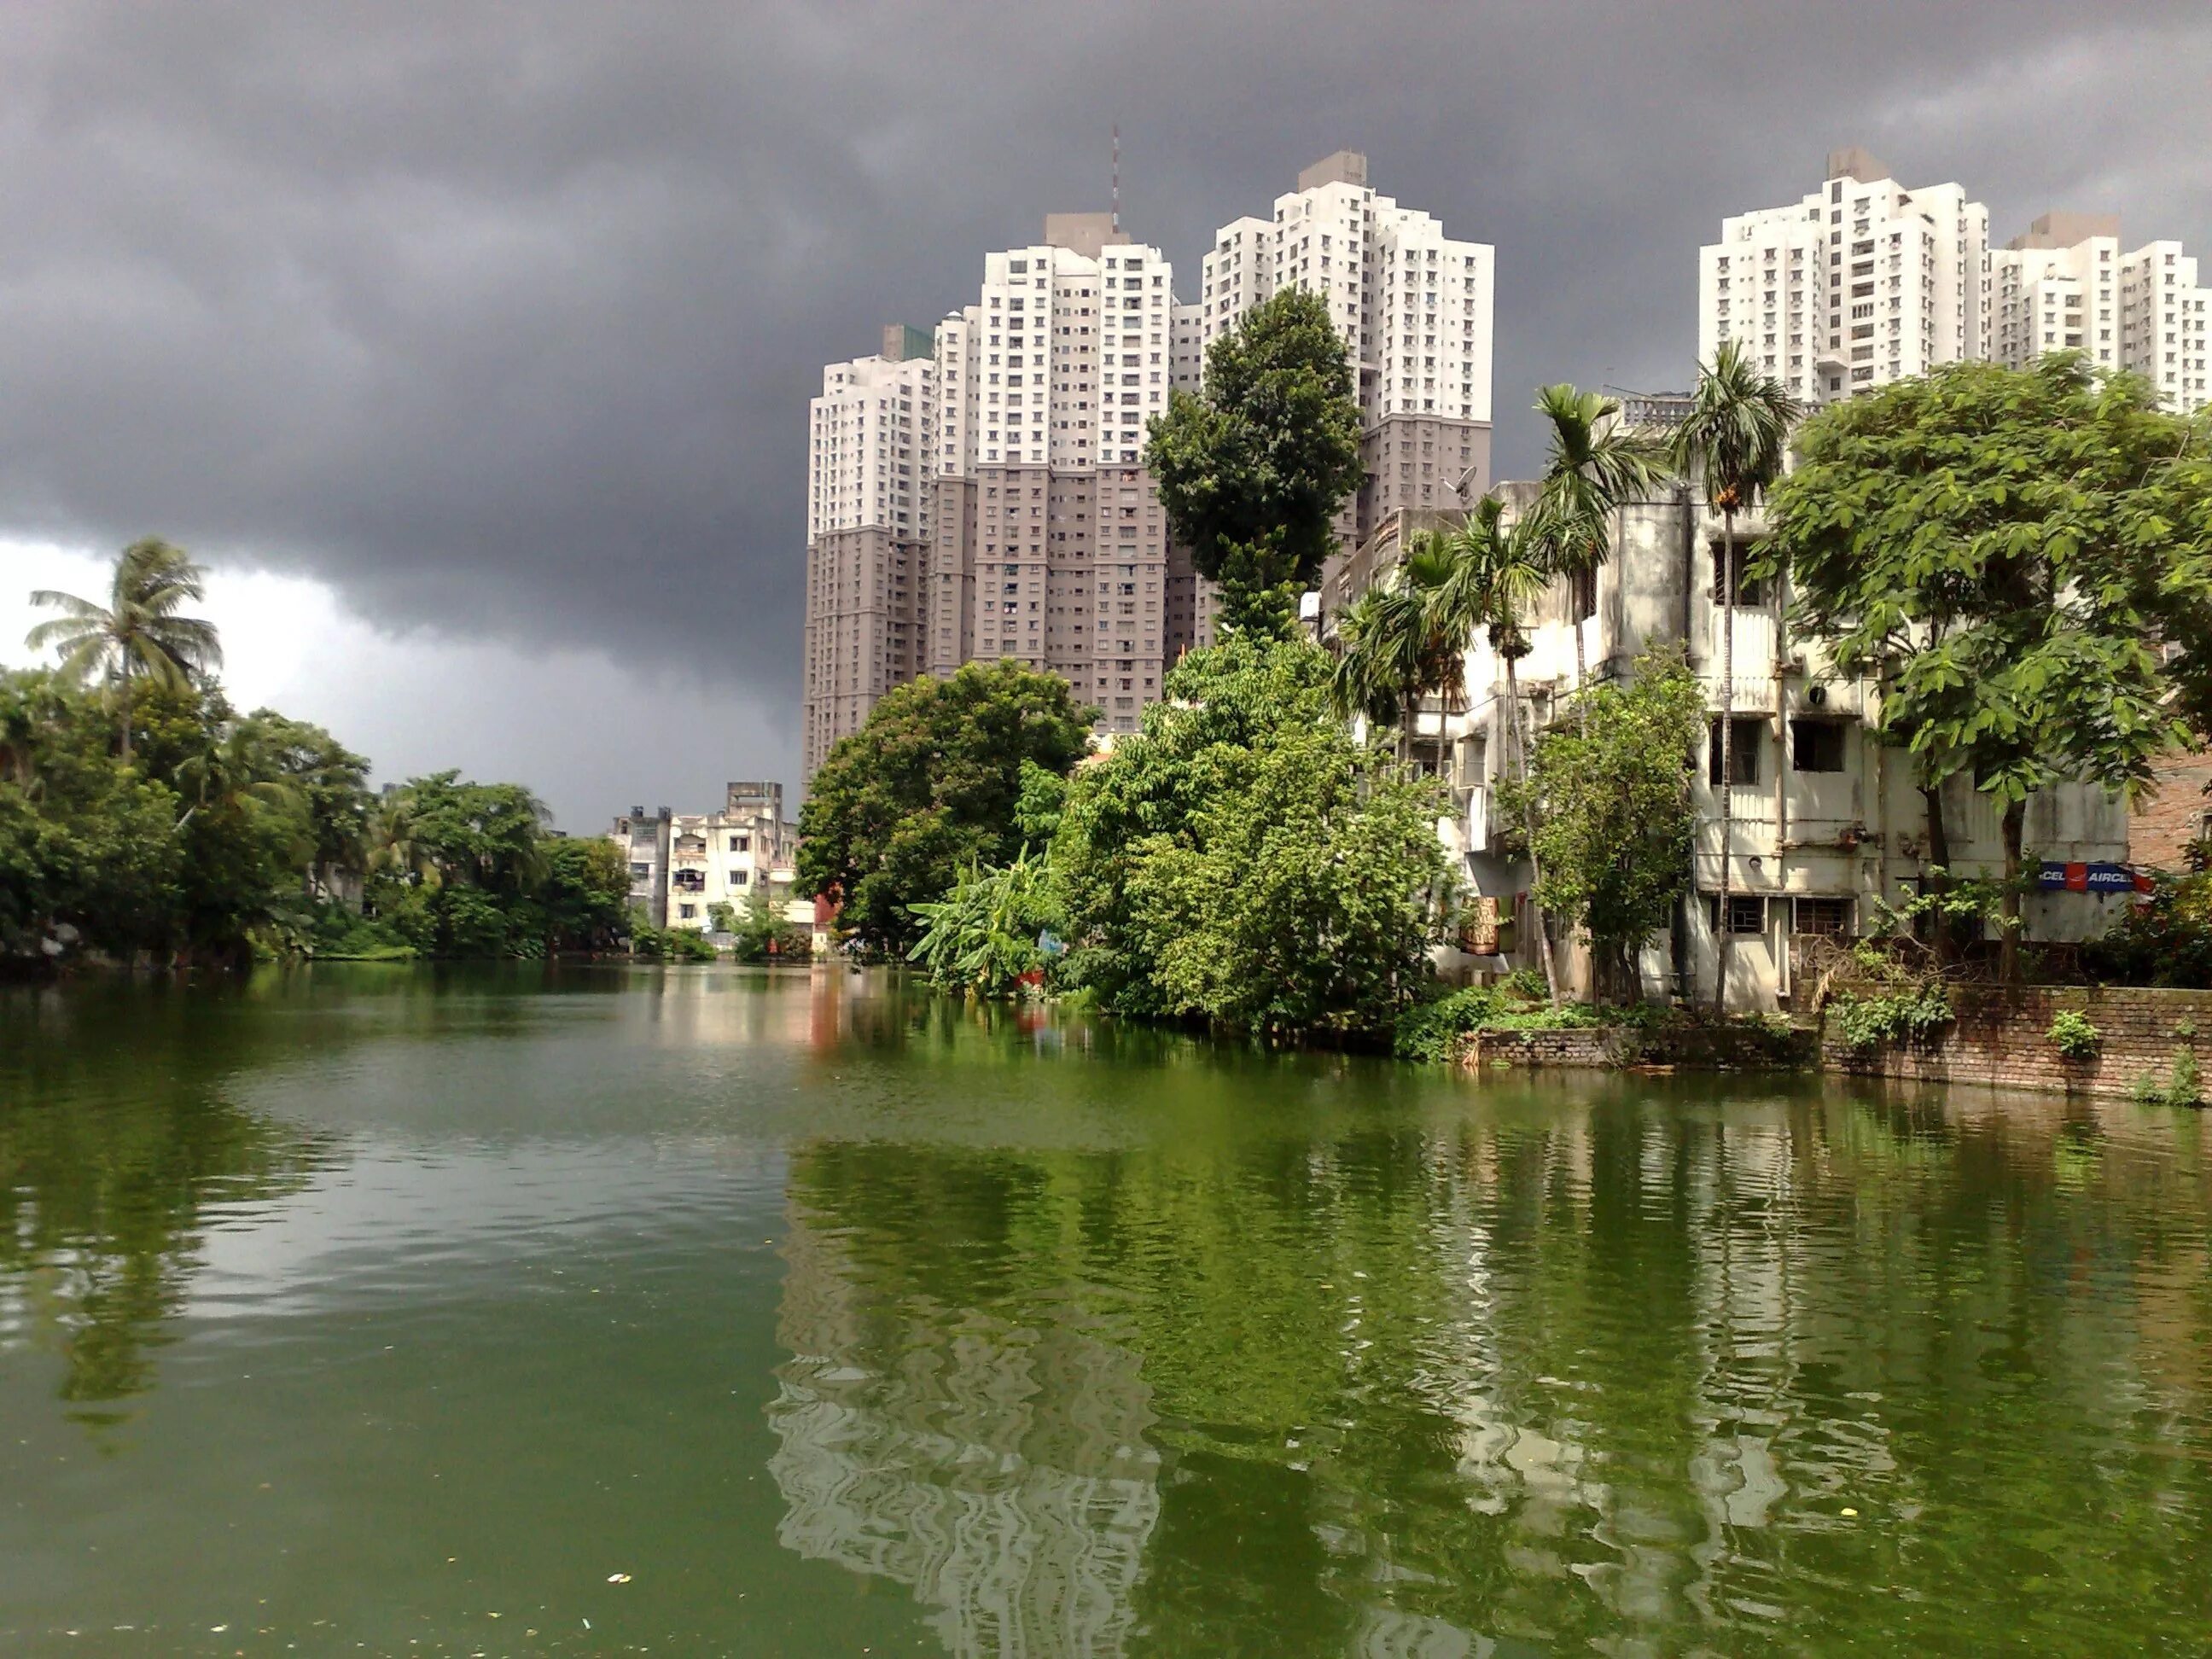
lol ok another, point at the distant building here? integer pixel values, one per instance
(978, 494)
(729, 857)
(642, 839)
(1857, 284)
(1864, 281)
(2066, 285)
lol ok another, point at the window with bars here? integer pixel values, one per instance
(1828, 917)
(1747, 913)
(1742, 591)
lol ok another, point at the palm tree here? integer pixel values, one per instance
(1496, 575)
(236, 775)
(1733, 440)
(1593, 465)
(1395, 653)
(138, 632)
(397, 844)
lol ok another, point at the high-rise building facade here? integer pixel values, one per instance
(981, 494)
(867, 532)
(1865, 282)
(988, 499)
(1414, 306)
(2066, 285)
(1858, 284)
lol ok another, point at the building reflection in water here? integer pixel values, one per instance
(1000, 1471)
(1607, 1369)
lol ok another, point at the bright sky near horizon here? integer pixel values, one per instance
(556, 719)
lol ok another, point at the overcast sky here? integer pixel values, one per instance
(486, 332)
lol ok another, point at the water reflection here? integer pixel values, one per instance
(108, 1187)
(1585, 1363)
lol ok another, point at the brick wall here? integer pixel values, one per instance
(2000, 1038)
(1699, 1046)
(2161, 829)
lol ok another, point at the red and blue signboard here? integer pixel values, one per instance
(2092, 878)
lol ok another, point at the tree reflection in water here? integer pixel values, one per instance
(118, 1152)
(1589, 1361)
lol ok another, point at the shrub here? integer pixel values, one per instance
(2184, 1088)
(670, 943)
(2075, 1036)
(1427, 1030)
(1909, 1015)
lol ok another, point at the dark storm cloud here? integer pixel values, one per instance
(504, 318)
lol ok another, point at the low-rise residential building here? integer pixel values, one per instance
(683, 865)
(729, 857)
(1826, 822)
(643, 838)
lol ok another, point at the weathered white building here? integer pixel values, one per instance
(642, 839)
(729, 857)
(1826, 821)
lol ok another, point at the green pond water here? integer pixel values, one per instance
(706, 1311)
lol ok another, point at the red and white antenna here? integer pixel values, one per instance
(1117, 178)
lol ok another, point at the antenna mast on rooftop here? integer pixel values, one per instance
(1117, 178)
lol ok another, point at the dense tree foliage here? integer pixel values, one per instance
(1252, 468)
(930, 786)
(226, 837)
(1610, 794)
(466, 869)
(2006, 549)
(1242, 860)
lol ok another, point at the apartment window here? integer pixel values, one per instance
(741, 843)
(1743, 749)
(1742, 590)
(1747, 913)
(639, 872)
(740, 878)
(1817, 745)
(1581, 594)
(1828, 917)
(687, 911)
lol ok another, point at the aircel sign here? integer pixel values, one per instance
(2092, 878)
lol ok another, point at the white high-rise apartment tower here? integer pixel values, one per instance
(1864, 281)
(1414, 306)
(2065, 285)
(866, 532)
(1860, 283)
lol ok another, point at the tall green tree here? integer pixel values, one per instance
(1242, 862)
(584, 892)
(1253, 468)
(1611, 799)
(139, 634)
(1593, 463)
(1734, 441)
(2008, 550)
(928, 787)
